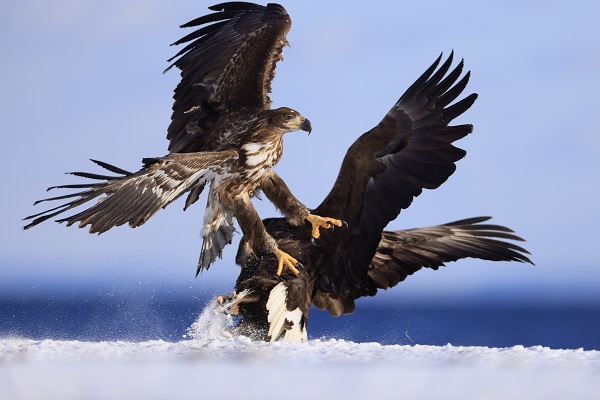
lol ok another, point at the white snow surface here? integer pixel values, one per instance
(211, 363)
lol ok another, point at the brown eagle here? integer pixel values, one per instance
(411, 149)
(222, 132)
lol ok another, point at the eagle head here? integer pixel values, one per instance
(288, 120)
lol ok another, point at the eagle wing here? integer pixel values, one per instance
(135, 197)
(228, 64)
(409, 150)
(403, 252)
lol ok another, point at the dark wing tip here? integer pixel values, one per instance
(111, 167)
(235, 6)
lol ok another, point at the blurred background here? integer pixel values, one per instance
(83, 79)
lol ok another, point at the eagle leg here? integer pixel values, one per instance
(284, 259)
(322, 222)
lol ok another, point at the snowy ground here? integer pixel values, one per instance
(211, 365)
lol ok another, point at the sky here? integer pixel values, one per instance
(83, 79)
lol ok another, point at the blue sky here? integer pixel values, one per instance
(83, 79)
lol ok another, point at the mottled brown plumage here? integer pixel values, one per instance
(222, 132)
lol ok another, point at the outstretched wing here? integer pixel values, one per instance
(411, 149)
(228, 64)
(401, 253)
(135, 197)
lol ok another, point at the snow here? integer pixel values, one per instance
(211, 362)
(52, 369)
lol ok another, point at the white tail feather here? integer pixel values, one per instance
(279, 314)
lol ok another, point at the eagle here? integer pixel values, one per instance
(222, 133)
(411, 149)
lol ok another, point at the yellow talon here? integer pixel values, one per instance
(284, 259)
(321, 222)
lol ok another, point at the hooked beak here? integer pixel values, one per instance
(306, 126)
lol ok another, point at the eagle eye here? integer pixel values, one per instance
(288, 117)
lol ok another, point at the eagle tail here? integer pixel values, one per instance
(285, 324)
(218, 232)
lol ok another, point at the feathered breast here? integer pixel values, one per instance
(259, 158)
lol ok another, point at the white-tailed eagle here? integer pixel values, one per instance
(411, 149)
(222, 132)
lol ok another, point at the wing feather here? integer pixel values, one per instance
(401, 253)
(227, 64)
(409, 150)
(134, 198)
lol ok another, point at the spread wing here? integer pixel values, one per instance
(410, 150)
(227, 64)
(135, 197)
(401, 253)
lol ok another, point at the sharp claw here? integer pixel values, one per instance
(285, 260)
(294, 270)
(314, 242)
